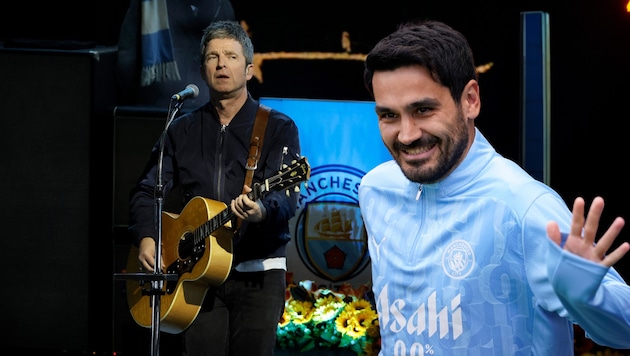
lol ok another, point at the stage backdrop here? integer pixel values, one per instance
(341, 141)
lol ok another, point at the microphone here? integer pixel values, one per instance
(191, 91)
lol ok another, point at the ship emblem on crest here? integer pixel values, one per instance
(330, 236)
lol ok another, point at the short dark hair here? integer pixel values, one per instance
(442, 50)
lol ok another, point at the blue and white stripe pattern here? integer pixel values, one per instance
(158, 61)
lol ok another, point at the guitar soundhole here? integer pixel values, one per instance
(189, 252)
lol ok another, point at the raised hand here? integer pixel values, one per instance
(581, 239)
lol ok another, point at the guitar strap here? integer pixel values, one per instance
(255, 146)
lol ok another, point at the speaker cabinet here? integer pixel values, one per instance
(136, 130)
(56, 230)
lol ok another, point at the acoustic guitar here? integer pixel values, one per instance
(197, 248)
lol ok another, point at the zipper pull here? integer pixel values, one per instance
(419, 192)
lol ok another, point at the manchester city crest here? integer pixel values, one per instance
(329, 232)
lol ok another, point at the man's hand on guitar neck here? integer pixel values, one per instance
(246, 209)
(146, 255)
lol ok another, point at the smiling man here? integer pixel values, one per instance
(471, 255)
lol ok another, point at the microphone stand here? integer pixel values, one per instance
(157, 284)
(158, 278)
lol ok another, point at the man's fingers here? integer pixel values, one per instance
(616, 255)
(553, 231)
(577, 223)
(604, 243)
(592, 219)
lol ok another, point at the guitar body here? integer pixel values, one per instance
(197, 249)
(199, 261)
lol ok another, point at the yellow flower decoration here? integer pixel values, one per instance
(317, 318)
(326, 308)
(285, 319)
(358, 305)
(365, 317)
(300, 312)
(348, 323)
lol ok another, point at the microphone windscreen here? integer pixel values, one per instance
(195, 89)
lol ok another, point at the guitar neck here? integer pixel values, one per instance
(285, 179)
(223, 217)
(210, 226)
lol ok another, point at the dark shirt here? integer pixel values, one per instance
(204, 158)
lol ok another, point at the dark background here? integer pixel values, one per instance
(590, 61)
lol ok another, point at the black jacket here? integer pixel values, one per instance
(204, 158)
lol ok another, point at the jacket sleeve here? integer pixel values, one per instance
(142, 202)
(586, 293)
(596, 297)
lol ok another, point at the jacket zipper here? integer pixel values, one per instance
(219, 164)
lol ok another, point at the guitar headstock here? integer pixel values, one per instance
(289, 177)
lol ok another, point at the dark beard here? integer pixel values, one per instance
(447, 162)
